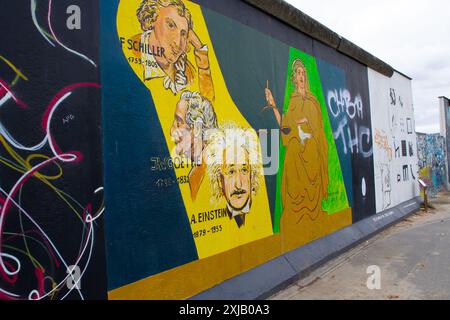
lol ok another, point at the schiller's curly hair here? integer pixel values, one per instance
(148, 11)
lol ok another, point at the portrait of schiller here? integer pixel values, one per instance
(168, 35)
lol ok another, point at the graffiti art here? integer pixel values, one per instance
(51, 185)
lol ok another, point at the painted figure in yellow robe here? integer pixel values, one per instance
(305, 177)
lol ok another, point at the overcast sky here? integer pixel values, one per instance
(412, 36)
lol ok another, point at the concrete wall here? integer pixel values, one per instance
(299, 151)
(432, 162)
(174, 229)
(395, 149)
(444, 107)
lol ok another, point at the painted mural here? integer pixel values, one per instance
(196, 138)
(432, 162)
(395, 140)
(226, 202)
(51, 186)
(310, 182)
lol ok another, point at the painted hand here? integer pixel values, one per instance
(194, 40)
(270, 100)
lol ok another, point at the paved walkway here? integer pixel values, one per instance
(413, 257)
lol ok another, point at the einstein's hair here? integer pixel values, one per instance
(230, 137)
(199, 111)
(148, 11)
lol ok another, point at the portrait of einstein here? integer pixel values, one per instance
(234, 167)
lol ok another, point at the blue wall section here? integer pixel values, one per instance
(154, 236)
(333, 78)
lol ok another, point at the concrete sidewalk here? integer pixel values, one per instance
(413, 256)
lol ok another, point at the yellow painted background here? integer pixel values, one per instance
(258, 222)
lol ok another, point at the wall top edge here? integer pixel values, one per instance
(300, 21)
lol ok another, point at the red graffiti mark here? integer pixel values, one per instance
(4, 296)
(87, 211)
(5, 87)
(40, 280)
(7, 278)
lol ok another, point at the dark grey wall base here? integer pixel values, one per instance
(263, 281)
